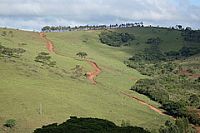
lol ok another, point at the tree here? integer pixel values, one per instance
(180, 27)
(188, 28)
(46, 28)
(82, 54)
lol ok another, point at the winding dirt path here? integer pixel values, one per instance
(90, 75)
(49, 44)
(144, 103)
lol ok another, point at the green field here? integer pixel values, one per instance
(35, 95)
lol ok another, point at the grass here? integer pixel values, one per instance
(27, 89)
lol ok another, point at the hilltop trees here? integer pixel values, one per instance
(46, 28)
(179, 27)
(90, 27)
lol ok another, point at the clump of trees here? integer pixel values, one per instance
(11, 52)
(191, 35)
(181, 125)
(152, 89)
(160, 90)
(176, 109)
(82, 55)
(116, 39)
(45, 59)
(88, 125)
(167, 86)
(152, 54)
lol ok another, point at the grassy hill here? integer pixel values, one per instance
(35, 95)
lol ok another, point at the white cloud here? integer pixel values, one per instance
(36, 13)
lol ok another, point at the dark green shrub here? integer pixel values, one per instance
(154, 41)
(10, 123)
(194, 100)
(45, 59)
(175, 109)
(181, 125)
(191, 35)
(115, 39)
(11, 52)
(189, 51)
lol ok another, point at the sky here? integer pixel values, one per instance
(34, 14)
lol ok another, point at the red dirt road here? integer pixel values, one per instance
(92, 74)
(144, 103)
(49, 44)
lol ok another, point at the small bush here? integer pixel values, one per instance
(10, 123)
(45, 59)
(11, 52)
(4, 33)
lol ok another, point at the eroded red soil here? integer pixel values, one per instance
(92, 74)
(49, 44)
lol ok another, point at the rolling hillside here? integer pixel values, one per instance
(36, 94)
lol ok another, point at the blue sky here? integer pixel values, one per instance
(195, 2)
(34, 14)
